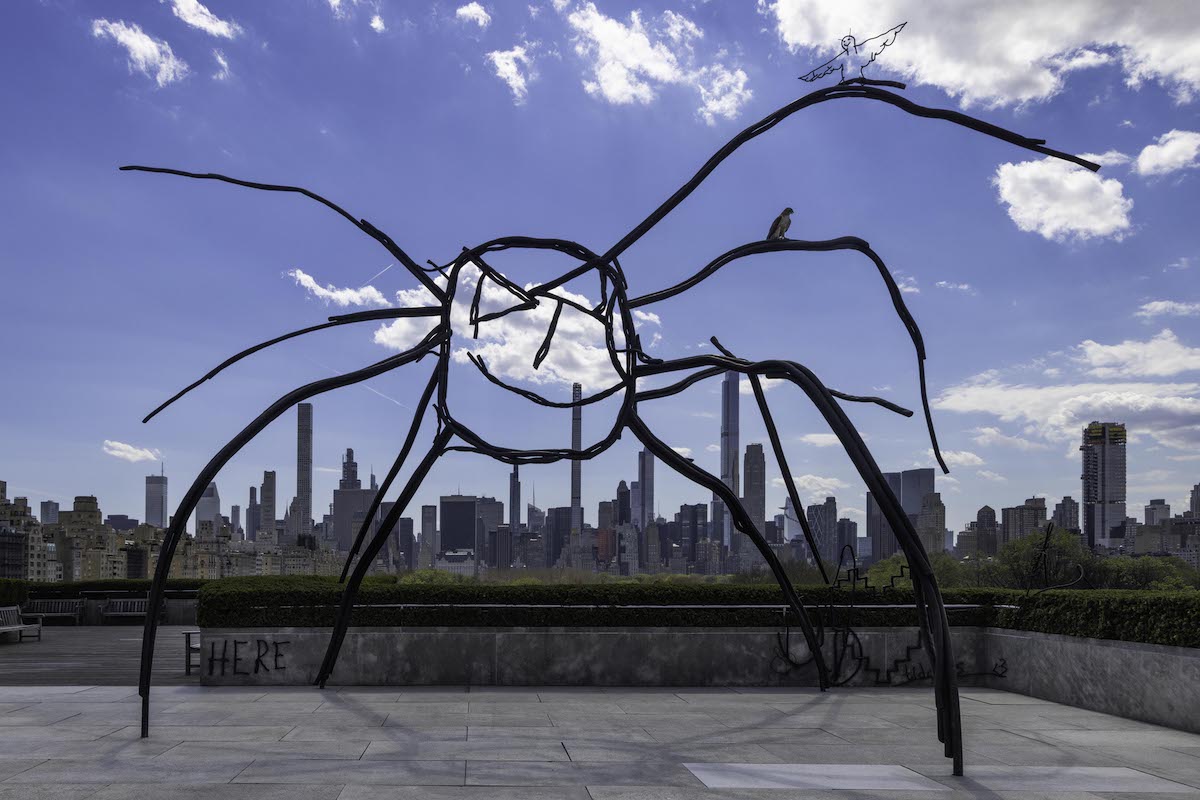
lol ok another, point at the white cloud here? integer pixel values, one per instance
(686, 452)
(989, 437)
(713, 448)
(560, 5)
(1168, 308)
(222, 73)
(508, 344)
(1168, 412)
(746, 388)
(149, 56)
(1060, 201)
(906, 283)
(1181, 263)
(820, 439)
(195, 14)
(646, 316)
(991, 476)
(630, 61)
(1161, 356)
(1174, 150)
(515, 67)
(1008, 53)
(377, 24)
(1109, 158)
(474, 13)
(366, 296)
(814, 487)
(129, 452)
(958, 458)
(966, 288)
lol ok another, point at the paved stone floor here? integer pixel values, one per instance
(377, 743)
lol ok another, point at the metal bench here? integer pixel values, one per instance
(13, 621)
(123, 607)
(71, 607)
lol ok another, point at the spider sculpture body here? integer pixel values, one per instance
(454, 319)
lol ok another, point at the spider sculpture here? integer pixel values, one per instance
(613, 321)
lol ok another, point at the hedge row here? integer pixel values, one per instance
(312, 602)
(1170, 618)
(13, 592)
(51, 591)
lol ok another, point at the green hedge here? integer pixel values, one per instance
(13, 592)
(1170, 618)
(50, 591)
(312, 601)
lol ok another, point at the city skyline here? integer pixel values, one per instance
(1045, 311)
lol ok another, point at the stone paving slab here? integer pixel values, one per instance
(369, 743)
(812, 776)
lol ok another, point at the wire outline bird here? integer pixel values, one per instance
(854, 54)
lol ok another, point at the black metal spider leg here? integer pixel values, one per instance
(184, 512)
(931, 610)
(418, 417)
(743, 523)
(350, 592)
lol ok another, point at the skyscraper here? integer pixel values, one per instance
(304, 469)
(822, 519)
(754, 472)
(622, 509)
(350, 500)
(931, 523)
(253, 510)
(208, 509)
(730, 450)
(576, 465)
(266, 509)
(847, 534)
(635, 503)
(459, 521)
(909, 487)
(693, 527)
(1103, 478)
(156, 501)
(514, 501)
(1066, 514)
(429, 527)
(1022, 520)
(646, 488)
(49, 515)
(1157, 512)
(1194, 504)
(235, 522)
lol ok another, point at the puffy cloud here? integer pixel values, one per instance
(630, 61)
(713, 448)
(1168, 308)
(474, 13)
(1174, 150)
(1060, 201)
(996, 477)
(129, 452)
(508, 344)
(515, 68)
(989, 437)
(1109, 158)
(195, 14)
(814, 487)
(1182, 263)
(646, 316)
(1008, 53)
(366, 296)
(1168, 412)
(377, 24)
(147, 55)
(686, 452)
(222, 73)
(1161, 356)
(820, 439)
(959, 458)
(906, 283)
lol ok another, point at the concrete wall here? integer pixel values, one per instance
(556, 656)
(1138, 681)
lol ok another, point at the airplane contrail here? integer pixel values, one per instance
(376, 275)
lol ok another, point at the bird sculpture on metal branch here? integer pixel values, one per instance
(855, 56)
(779, 227)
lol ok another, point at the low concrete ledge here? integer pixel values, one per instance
(563, 656)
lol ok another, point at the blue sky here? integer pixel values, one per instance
(1048, 296)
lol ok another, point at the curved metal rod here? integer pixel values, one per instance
(350, 591)
(377, 500)
(930, 608)
(743, 523)
(534, 397)
(412, 266)
(858, 87)
(344, 319)
(824, 245)
(231, 448)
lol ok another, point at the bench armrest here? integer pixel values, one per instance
(35, 617)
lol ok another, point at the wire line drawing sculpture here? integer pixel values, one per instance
(854, 55)
(630, 363)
